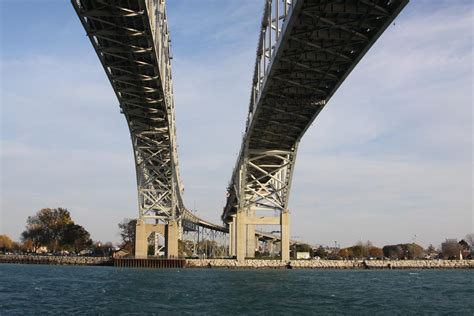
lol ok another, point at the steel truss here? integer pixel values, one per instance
(205, 243)
(266, 185)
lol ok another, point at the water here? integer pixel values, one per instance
(42, 289)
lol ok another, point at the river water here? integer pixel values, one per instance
(42, 289)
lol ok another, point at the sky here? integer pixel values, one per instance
(389, 159)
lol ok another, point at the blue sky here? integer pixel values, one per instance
(390, 156)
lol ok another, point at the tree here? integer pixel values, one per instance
(403, 251)
(344, 253)
(100, 249)
(360, 250)
(27, 246)
(321, 253)
(413, 251)
(17, 247)
(393, 251)
(464, 245)
(430, 249)
(47, 227)
(35, 237)
(76, 238)
(185, 248)
(6, 244)
(54, 229)
(127, 232)
(450, 249)
(375, 252)
(470, 240)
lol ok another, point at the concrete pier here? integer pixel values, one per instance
(285, 236)
(171, 240)
(169, 231)
(243, 238)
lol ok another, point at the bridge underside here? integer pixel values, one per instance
(306, 50)
(132, 42)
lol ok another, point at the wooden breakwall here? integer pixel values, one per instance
(149, 263)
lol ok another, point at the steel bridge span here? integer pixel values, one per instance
(132, 41)
(305, 51)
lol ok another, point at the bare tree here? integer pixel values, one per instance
(450, 249)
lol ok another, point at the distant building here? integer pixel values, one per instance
(303, 255)
(120, 253)
(42, 249)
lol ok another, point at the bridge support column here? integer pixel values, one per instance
(285, 235)
(232, 234)
(171, 238)
(270, 247)
(240, 249)
(250, 240)
(141, 240)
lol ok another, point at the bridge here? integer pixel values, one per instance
(305, 51)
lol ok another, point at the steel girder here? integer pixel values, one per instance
(305, 50)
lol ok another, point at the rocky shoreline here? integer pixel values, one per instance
(255, 263)
(57, 260)
(330, 264)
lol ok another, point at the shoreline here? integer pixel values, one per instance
(57, 260)
(331, 264)
(234, 264)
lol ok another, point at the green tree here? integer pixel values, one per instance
(35, 236)
(100, 249)
(321, 252)
(54, 229)
(76, 238)
(393, 252)
(47, 227)
(127, 231)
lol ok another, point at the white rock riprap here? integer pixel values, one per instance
(56, 260)
(330, 264)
